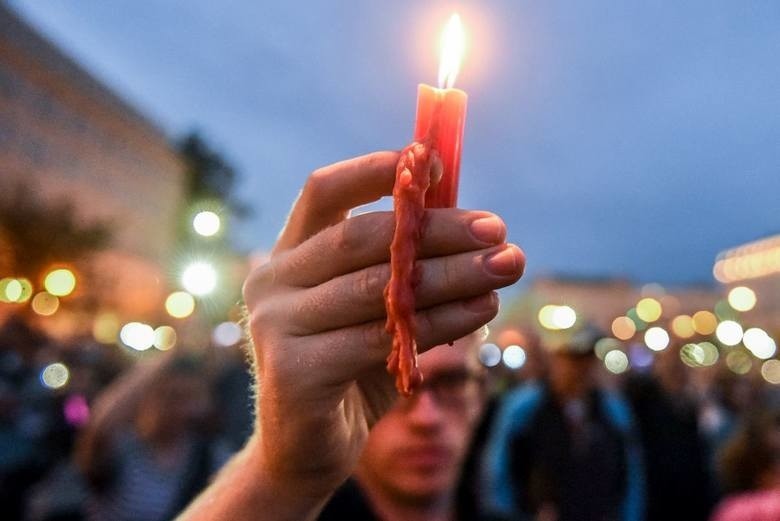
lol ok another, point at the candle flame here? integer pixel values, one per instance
(452, 46)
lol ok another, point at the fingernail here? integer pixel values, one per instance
(490, 230)
(504, 262)
(481, 303)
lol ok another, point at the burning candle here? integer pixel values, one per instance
(441, 114)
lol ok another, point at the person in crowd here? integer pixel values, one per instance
(144, 453)
(562, 448)
(319, 338)
(750, 464)
(679, 484)
(413, 459)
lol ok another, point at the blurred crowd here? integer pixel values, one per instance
(560, 438)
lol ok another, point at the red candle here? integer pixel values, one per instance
(441, 115)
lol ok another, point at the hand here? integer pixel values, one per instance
(317, 316)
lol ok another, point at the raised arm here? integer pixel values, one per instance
(317, 319)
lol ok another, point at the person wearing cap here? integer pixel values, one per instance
(563, 448)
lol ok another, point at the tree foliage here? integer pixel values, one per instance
(35, 234)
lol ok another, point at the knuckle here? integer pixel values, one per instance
(370, 282)
(450, 272)
(317, 182)
(258, 279)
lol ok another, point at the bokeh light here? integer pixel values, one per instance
(55, 376)
(724, 311)
(703, 354)
(514, 357)
(742, 298)
(137, 335)
(564, 317)
(770, 370)
(12, 290)
(758, 342)
(604, 346)
(682, 326)
(704, 322)
(729, 333)
(180, 304)
(557, 317)
(206, 223)
(15, 291)
(489, 355)
(45, 304)
(739, 362)
(640, 324)
(105, 329)
(60, 282)
(199, 278)
(649, 309)
(656, 338)
(227, 334)
(164, 338)
(616, 361)
(76, 410)
(639, 356)
(623, 328)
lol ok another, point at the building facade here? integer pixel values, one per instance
(67, 136)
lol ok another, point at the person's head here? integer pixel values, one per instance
(414, 454)
(572, 364)
(177, 401)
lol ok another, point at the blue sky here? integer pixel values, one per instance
(615, 138)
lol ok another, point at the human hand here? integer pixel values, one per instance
(317, 316)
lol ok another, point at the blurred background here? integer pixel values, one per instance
(149, 154)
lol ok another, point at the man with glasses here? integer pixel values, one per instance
(411, 465)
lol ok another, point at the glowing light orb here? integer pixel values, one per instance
(729, 333)
(227, 334)
(758, 342)
(164, 338)
(742, 298)
(489, 355)
(656, 338)
(45, 304)
(604, 346)
(137, 335)
(704, 322)
(180, 304)
(199, 278)
(739, 362)
(616, 361)
(514, 357)
(206, 223)
(564, 317)
(770, 370)
(703, 354)
(60, 283)
(649, 309)
(55, 376)
(623, 328)
(15, 291)
(682, 326)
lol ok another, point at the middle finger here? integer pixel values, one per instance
(357, 297)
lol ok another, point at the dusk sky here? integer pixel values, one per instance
(627, 138)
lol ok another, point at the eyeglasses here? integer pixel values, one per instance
(449, 389)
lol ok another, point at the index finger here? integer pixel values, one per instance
(332, 191)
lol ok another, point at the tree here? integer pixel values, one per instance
(34, 234)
